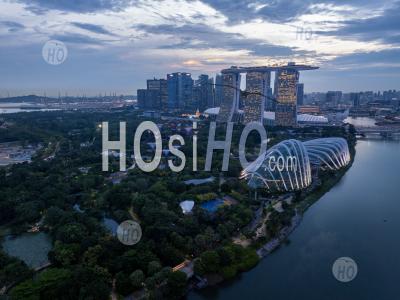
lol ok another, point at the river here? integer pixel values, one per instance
(358, 218)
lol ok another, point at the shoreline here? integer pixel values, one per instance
(300, 209)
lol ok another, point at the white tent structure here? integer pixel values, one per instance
(187, 206)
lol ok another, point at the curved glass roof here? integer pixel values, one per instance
(287, 165)
(284, 167)
(330, 153)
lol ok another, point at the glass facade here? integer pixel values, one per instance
(180, 90)
(157, 94)
(328, 153)
(230, 97)
(287, 165)
(257, 84)
(284, 167)
(286, 97)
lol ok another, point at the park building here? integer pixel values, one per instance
(288, 165)
(330, 153)
(269, 117)
(283, 167)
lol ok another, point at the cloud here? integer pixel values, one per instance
(75, 38)
(199, 36)
(12, 26)
(145, 38)
(384, 27)
(92, 28)
(39, 6)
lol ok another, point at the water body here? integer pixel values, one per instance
(10, 108)
(32, 248)
(212, 205)
(19, 110)
(358, 218)
(111, 225)
(361, 121)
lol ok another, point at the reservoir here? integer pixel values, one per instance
(358, 218)
(32, 248)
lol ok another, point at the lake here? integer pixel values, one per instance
(32, 248)
(358, 218)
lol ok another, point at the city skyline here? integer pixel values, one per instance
(117, 45)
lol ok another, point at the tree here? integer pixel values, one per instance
(72, 233)
(65, 254)
(50, 284)
(226, 256)
(92, 282)
(153, 267)
(137, 277)
(210, 260)
(198, 267)
(176, 284)
(92, 255)
(53, 216)
(229, 271)
(123, 284)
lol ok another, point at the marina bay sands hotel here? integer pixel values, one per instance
(258, 90)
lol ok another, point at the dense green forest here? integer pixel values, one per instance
(86, 259)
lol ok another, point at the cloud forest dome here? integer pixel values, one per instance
(329, 153)
(287, 165)
(283, 167)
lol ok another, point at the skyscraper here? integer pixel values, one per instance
(210, 93)
(355, 99)
(164, 94)
(300, 93)
(228, 111)
(204, 92)
(333, 98)
(286, 96)
(157, 93)
(141, 98)
(257, 85)
(218, 90)
(180, 90)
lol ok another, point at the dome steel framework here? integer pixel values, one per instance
(287, 165)
(329, 153)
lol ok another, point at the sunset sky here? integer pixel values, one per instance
(115, 45)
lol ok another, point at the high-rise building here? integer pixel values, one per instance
(218, 90)
(180, 90)
(300, 93)
(270, 103)
(229, 107)
(286, 81)
(355, 99)
(257, 85)
(141, 98)
(333, 98)
(203, 96)
(157, 93)
(210, 93)
(164, 94)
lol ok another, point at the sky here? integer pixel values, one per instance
(115, 45)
